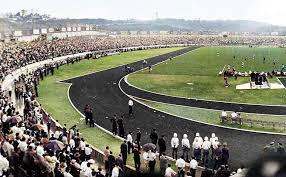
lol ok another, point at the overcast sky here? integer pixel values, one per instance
(271, 11)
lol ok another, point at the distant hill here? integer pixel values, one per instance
(17, 22)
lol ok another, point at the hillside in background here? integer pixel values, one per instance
(27, 22)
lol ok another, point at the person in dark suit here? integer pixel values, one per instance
(91, 119)
(120, 127)
(124, 151)
(136, 157)
(138, 135)
(154, 136)
(162, 145)
(114, 125)
(111, 162)
(86, 113)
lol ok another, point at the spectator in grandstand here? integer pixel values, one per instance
(170, 172)
(111, 162)
(163, 164)
(175, 145)
(193, 166)
(105, 157)
(181, 164)
(151, 158)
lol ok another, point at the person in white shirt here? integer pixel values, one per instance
(213, 143)
(206, 150)
(82, 147)
(223, 116)
(87, 151)
(130, 105)
(40, 150)
(4, 165)
(186, 147)
(181, 164)
(8, 148)
(199, 138)
(197, 149)
(193, 166)
(129, 142)
(115, 171)
(175, 144)
(85, 169)
(151, 158)
(67, 172)
(22, 145)
(234, 116)
(170, 172)
(72, 143)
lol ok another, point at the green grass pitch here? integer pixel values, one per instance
(195, 75)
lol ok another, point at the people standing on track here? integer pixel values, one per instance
(154, 136)
(120, 127)
(114, 125)
(138, 136)
(206, 150)
(175, 145)
(86, 113)
(130, 105)
(162, 145)
(186, 147)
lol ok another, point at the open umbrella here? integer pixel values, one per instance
(54, 145)
(148, 147)
(12, 120)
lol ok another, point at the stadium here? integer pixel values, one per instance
(110, 98)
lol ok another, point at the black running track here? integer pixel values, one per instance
(217, 105)
(101, 91)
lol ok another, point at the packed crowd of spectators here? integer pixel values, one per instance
(15, 55)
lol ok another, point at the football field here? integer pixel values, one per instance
(196, 75)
